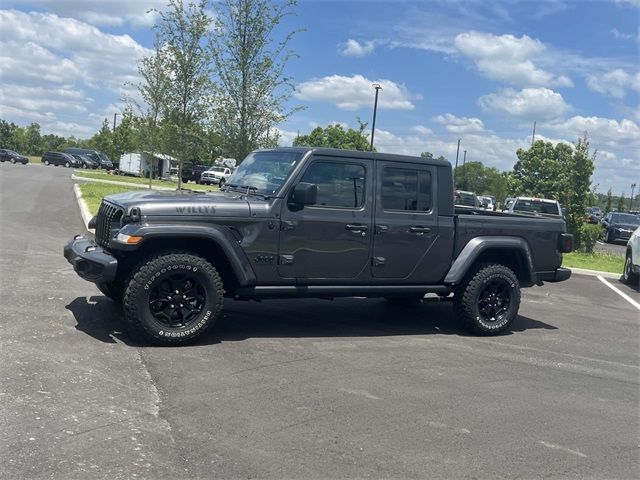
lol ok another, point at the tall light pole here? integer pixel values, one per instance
(633, 187)
(375, 109)
(114, 122)
(464, 176)
(454, 170)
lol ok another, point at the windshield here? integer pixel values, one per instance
(465, 199)
(626, 218)
(103, 157)
(536, 206)
(264, 172)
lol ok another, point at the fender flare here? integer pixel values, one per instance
(478, 245)
(221, 236)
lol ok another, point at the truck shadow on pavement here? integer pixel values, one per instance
(102, 319)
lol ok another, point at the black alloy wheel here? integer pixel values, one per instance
(177, 299)
(494, 300)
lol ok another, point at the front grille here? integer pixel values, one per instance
(108, 220)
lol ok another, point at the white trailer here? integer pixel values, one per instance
(141, 163)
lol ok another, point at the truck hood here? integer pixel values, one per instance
(183, 203)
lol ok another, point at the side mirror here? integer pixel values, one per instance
(305, 194)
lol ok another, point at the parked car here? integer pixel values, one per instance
(95, 155)
(193, 172)
(465, 199)
(60, 158)
(631, 273)
(487, 202)
(86, 161)
(313, 222)
(618, 226)
(537, 206)
(594, 215)
(7, 155)
(215, 176)
(507, 203)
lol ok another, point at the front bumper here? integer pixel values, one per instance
(90, 261)
(558, 275)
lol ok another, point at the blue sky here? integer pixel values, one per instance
(482, 71)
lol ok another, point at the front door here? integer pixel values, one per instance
(331, 239)
(406, 243)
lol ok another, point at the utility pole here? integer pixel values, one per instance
(375, 109)
(114, 122)
(464, 176)
(633, 187)
(533, 137)
(456, 168)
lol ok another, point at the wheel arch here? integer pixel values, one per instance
(512, 252)
(217, 245)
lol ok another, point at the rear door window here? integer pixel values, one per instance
(406, 189)
(340, 185)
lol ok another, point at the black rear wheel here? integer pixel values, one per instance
(488, 302)
(628, 276)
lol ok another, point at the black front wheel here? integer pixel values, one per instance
(173, 298)
(488, 302)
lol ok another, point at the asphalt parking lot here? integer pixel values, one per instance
(304, 388)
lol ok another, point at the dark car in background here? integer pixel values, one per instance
(7, 155)
(465, 199)
(594, 215)
(619, 226)
(60, 158)
(86, 161)
(97, 156)
(193, 172)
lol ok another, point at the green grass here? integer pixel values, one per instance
(33, 159)
(135, 181)
(93, 193)
(603, 262)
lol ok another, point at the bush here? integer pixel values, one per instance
(588, 236)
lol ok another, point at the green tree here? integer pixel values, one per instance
(621, 203)
(609, 203)
(335, 136)
(152, 89)
(182, 32)
(250, 69)
(103, 139)
(538, 172)
(429, 155)
(577, 171)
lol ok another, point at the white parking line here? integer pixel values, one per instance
(620, 292)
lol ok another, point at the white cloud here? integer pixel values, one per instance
(421, 129)
(62, 72)
(610, 132)
(352, 93)
(614, 82)
(528, 103)
(112, 13)
(618, 35)
(353, 48)
(508, 58)
(459, 124)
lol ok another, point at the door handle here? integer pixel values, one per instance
(419, 230)
(356, 228)
(381, 229)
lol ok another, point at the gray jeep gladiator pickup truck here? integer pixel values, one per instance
(303, 222)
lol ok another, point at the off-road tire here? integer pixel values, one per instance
(112, 290)
(137, 311)
(468, 294)
(628, 276)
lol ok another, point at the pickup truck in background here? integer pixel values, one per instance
(314, 222)
(193, 172)
(215, 176)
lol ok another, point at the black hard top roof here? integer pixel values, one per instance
(336, 152)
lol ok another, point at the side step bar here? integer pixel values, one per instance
(331, 291)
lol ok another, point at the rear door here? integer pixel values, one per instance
(407, 245)
(331, 239)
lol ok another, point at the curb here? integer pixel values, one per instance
(84, 210)
(594, 273)
(115, 182)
